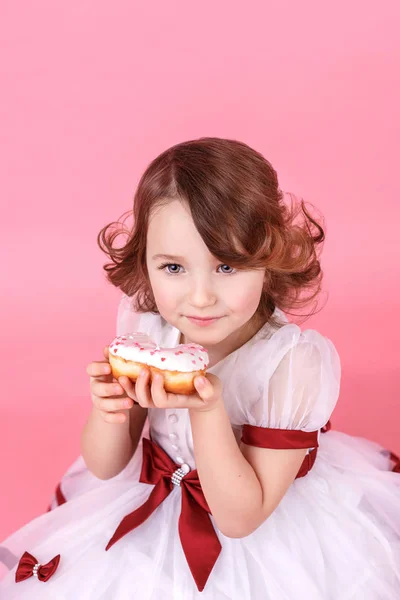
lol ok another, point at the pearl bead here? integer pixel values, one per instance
(179, 474)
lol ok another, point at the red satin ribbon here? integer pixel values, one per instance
(60, 498)
(199, 540)
(326, 427)
(280, 439)
(396, 459)
(26, 564)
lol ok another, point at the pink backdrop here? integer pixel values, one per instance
(91, 92)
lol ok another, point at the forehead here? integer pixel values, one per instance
(172, 226)
(171, 230)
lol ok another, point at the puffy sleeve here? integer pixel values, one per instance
(128, 320)
(301, 383)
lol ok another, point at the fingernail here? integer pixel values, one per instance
(127, 403)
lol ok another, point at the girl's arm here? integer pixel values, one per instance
(108, 447)
(242, 485)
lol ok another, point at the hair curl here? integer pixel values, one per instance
(224, 182)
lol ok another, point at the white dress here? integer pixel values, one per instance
(334, 536)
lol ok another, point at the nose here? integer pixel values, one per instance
(202, 293)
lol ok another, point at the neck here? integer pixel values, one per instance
(231, 343)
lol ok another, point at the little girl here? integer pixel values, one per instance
(274, 504)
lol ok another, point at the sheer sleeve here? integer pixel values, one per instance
(299, 393)
(128, 320)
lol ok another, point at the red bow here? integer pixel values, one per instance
(28, 564)
(396, 459)
(199, 540)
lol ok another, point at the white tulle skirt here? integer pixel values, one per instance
(334, 536)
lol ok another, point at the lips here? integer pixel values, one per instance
(203, 321)
(202, 318)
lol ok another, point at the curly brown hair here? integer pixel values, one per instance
(239, 211)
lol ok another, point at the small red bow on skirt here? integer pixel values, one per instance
(29, 566)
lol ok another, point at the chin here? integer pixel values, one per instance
(205, 336)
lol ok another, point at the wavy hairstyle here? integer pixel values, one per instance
(238, 209)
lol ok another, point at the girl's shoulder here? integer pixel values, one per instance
(284, 377)
(129, 321)
(289, 339)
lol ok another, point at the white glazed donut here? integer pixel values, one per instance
(179, 366)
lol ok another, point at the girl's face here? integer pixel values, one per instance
(191, 282)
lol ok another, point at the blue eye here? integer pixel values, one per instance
(228, 268)
(162, 267)
(166, 266)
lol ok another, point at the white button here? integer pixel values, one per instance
(173, 436)
(185, 468)
(175, 447)
(180, 460)
(172, 418)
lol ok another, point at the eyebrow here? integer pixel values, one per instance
(168, 257)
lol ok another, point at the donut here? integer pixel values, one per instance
(179, 366)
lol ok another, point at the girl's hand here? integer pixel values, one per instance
(108, 396)
(208, 395)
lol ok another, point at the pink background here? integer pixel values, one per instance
(91, 92)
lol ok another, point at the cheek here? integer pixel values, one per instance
(163, 294)
(246, 302)
(246, 296)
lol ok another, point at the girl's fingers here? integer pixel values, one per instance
(142, 391)
(114, 417)
(158, 393)
(162, 399)
(98, 368)
(129, 387)
(105, 389)
(114, 405)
